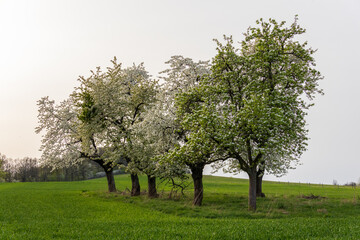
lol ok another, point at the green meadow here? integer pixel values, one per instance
(84, 210)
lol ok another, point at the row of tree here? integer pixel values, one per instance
(246, 110)
(30, 170)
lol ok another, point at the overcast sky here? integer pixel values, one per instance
(46, 45)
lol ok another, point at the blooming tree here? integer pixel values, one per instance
(63, 144)
(112, 107)
(180, 81)
(254, 101)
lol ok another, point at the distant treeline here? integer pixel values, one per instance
(30, 170)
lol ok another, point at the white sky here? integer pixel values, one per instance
(46, 45)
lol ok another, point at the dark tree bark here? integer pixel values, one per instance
(152, 187)
(197, 176)
(252, 188)
(259, 177)
(135, 185)
(110, 180)
(109, 174)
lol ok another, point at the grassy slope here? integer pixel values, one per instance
(82, 210)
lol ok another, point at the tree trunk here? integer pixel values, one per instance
(110, 180)
(259, 177)
(109, 174)
(197, 175)
(135, 185)
(252, 189)
(152, 187)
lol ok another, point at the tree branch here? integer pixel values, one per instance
(137, 109)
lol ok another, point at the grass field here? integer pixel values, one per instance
(83, 210)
